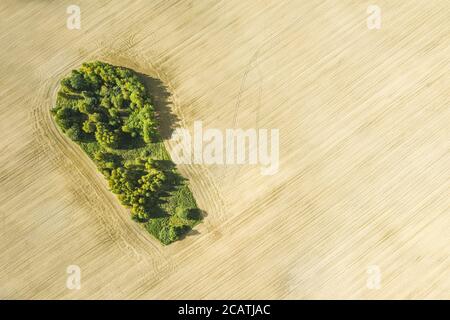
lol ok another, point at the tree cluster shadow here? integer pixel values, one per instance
(161, 100)
(168, 121)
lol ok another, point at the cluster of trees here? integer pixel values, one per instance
(139, 186)
(107, 106)
(107, 103)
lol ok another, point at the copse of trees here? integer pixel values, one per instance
(109, 103)
(107, 111)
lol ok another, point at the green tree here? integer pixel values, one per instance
(77, 81)
(89, 126)
(106, 137)
(74, 133)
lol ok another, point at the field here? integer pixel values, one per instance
(364, 171)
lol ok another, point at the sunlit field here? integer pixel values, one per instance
(358, 206)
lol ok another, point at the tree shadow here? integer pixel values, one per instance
(127, 142)
(190, 233)
(168, 121)
(161, 100)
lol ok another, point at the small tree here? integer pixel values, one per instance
(89, 126)
(74, 133)
(77, 81)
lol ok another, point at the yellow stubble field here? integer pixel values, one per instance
(364, 168)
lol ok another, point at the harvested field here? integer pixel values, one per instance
(364, 172)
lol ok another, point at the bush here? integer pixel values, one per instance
(168, 234)
(74, 133)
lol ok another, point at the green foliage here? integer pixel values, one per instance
(106, 160)
(106, 110)
(106, 136)
(77, 81)
(168, 234)
(188, 213)
(74, 133)
(89, 126)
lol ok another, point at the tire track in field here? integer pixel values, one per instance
(255, 99)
